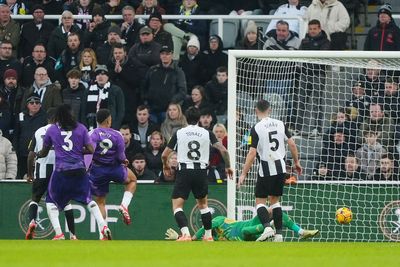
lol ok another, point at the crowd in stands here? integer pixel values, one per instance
(147, 72)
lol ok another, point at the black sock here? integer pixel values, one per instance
(206, 219)
(262, 214)
(181, 219)
(69, 216)
(33, 208)
(277, 215)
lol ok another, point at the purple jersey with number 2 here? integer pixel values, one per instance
(68, 146)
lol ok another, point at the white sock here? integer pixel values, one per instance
(94, 209)
(301, 231)
(207, 233)
(53, 213)
(126, 200)
(185, 231)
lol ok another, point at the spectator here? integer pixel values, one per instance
(391, 99)
(382, 125)
(113, 7)
(359, 100)
(130, 27)
(104, 52)
(48, 92)
(198, 98)
(386, 170)
(96, 34)
(140, 169)
(243, 8)
(35, 31)
(217, 91)
(321, 172)
(281, 38)
(8, 159)
(74, 93)
(373, 77)
(149, 7)
(87, 65)
(207, 119)
(69, 57)
(31, 119)
(172, 166)
(335, 150)
(216, 171)
(164, 83)
(58, 38)
(16, 7)
(309, 95)
(174, 121)
(38, 58)
(52, 7)
(183, 29)
(160, 35)
(193, 64)
(9, 28)
(352, 169)
(142, 128)
(7, 61)
(83, 7)
(11, 95)
(153, 153)
(250, 39)
(370, 152)
(214, 56)
(103, 94)
(334, 18)
(121, 68)
(132, 147)
(385, 35)
(146, 51)
(292, 8)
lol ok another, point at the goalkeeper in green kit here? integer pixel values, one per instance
(249, 230)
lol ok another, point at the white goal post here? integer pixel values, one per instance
(278, 76)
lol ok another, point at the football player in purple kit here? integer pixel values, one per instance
(69, 181)
(109, 163)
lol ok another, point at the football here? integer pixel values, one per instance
(344, 215)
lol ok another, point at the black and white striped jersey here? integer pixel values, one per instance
(192, 144)
(43, 166)
(269, 137)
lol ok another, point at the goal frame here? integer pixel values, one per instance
(232, 88)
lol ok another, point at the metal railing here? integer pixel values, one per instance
(219, 18)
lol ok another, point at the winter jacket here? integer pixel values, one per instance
(369, 157)
(8, 159)
(74, 98)
(163, 85)
(383, 37)
(98, 36)
(31, 35)
(291, 43)
(193, 69)
(332, 15)
(29, 67)
(11, 32)
(214, 59)
(58, 40)
(289, 10)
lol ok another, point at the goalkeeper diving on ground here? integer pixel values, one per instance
(224, 229)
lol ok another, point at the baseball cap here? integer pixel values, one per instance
(166, 48)
(101, 69)
(145, 29)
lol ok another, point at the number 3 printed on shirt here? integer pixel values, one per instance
(68, 143)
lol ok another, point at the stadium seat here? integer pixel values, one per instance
(231, 31)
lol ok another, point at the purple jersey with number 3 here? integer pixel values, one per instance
(110, 146)
(68, 146)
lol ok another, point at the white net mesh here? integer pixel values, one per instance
(335, 108)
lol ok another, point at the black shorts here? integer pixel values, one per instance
(270, 186)
(190, 181)
(39, 187)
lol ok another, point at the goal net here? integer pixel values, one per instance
(342, 109)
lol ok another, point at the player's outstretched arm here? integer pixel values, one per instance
(295, 155)
(247, 165)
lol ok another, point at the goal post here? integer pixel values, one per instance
(285, 79)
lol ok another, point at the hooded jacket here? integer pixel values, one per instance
(383, 37)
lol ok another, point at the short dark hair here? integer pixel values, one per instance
(138, 156)
(118, 45)
(192, 115)
(102, 115)
(314, 22)
(143, 107)
(125, 127)
(282, 22)
(222, 69)
(262, 105)
(74, 73)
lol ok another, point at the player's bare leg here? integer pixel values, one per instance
(181, 220)
(262, 213)
(130, 188)
(202, 204)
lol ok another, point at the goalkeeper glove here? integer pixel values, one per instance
(171, 234)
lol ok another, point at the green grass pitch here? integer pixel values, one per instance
(198, 254)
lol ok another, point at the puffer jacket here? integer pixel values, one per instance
(8, 159)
